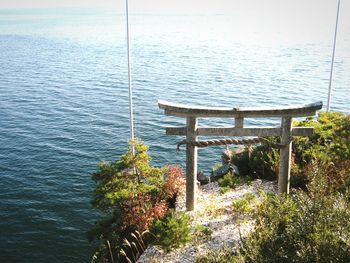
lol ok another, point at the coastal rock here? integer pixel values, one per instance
(222, 170)
(202, 179)
(214, 210)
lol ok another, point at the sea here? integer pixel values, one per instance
(64, 102)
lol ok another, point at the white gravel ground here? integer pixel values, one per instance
(215, 211)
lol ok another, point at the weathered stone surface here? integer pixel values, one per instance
(226, 156)
(224, 169)
(235, 169)
(202, 179)
(228, 230)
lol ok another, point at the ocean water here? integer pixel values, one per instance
(64, 104)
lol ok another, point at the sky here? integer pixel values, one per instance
(307, 17)
(182, 5)
(306, 11)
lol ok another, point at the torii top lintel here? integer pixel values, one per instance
(182, 110)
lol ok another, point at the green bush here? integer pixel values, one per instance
(172, 231)
(229, 181)
(202, 233)
(258, 162)
(225, 255)
(306, 226)
(131, 194)
(330, 142)
(243, 205)
(312, 223)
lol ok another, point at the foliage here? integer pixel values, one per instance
(249, 197)
(131, 194)
(139, 212)
(309, 226)
(211, 209)
(174, 184)
(258, 162)
(218, 256)
(243, 205)
(331, 138)
(330, 142)
(312, 223)
(132, 247)
(230, 180)
(172, 231)
(202, 233)
(306, 226)
(215, 167)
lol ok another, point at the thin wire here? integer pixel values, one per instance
(331, 74)
(132, 135)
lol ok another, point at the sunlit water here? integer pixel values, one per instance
(64, 105)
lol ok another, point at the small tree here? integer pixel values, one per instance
(131, 194)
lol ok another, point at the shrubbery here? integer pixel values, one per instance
(258, 162)
(172, 231)
(243, 205)
(131, 194)
(202, 233)
(311, 224)
(330, 141)
(306, 226)
(229, 181)
(225, 255)
(232, 180)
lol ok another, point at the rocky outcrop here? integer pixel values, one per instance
(215, 211)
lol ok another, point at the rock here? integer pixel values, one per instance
(202, 178)
(224, 169)
(226, 156)
(235, 169)
(214, 211)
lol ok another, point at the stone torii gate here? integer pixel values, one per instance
(286, 131)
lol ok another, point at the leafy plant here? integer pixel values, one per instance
(331, 138)
(218, 256)
(215, 167)
(131, 194)
(202, 233)
(312, 223)
(174, 184)
(243, 205)
(172, 231)
(258, 162)
(229, 181)
(211, 209)
(306, 226)
(330, 142)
